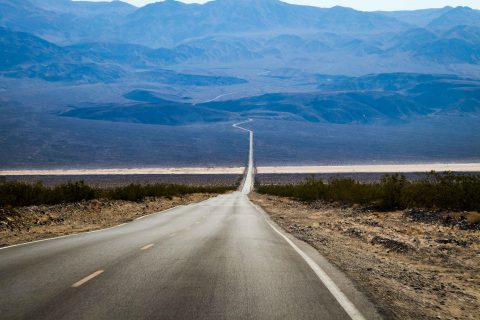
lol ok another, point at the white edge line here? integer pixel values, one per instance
(342, 299)
(93, 231)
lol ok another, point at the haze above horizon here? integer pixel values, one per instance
(373, 5)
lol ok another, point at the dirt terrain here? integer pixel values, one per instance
(42, 222)
(414, 264)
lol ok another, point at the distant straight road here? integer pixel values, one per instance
(218, 259)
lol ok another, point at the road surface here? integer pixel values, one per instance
(218, 259)
(248, 182)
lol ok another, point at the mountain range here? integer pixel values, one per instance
(386, 98)
(178, 65)
(232, 32)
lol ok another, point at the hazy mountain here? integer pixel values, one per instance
(456, 16)
(459, 45)
(126, 53)
(386, 98)
(372, 98)
(69, 69)
(165, 113)
(63, 21)
(18, 48)
(111, 40)
(27, 56)
(419, 18)
(85, 8)
(66, 72)
(449, 51)
(168, 23)
(266, 32)
(467, 33)
(411, 39)
(24, 16)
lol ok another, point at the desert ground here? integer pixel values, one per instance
(42, 222)
(416, 264)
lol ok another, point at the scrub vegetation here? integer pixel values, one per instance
(442, 191)
(18, 194)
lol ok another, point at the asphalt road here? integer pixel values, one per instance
(248, 181)
(219, 259)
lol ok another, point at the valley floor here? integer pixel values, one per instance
(375, 168)
(372, 168)
(428, 269)
(125, 171)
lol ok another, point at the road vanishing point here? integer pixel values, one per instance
(219, 259)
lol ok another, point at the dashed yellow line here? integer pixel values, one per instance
(148, 246)
(86, 279)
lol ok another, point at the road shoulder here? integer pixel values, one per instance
(351, 291)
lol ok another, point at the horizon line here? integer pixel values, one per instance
(295, 4)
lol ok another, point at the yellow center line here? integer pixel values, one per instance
(148, 246)
(87, 278)
(198, 222)
(173, 235)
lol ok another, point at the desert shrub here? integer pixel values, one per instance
(392, 191)
(436, 191)
(16, 194)
(138, 192)
(349, 191)
(70, 192)
(310, 190)
(345, 190)
(444, 191)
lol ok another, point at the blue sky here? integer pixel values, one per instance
(368, 5)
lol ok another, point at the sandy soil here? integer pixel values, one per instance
(123, 171)
(413, 269)
(387, 168)
(42, 222)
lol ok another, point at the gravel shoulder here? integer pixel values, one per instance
(412, 265)
(42, 222)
